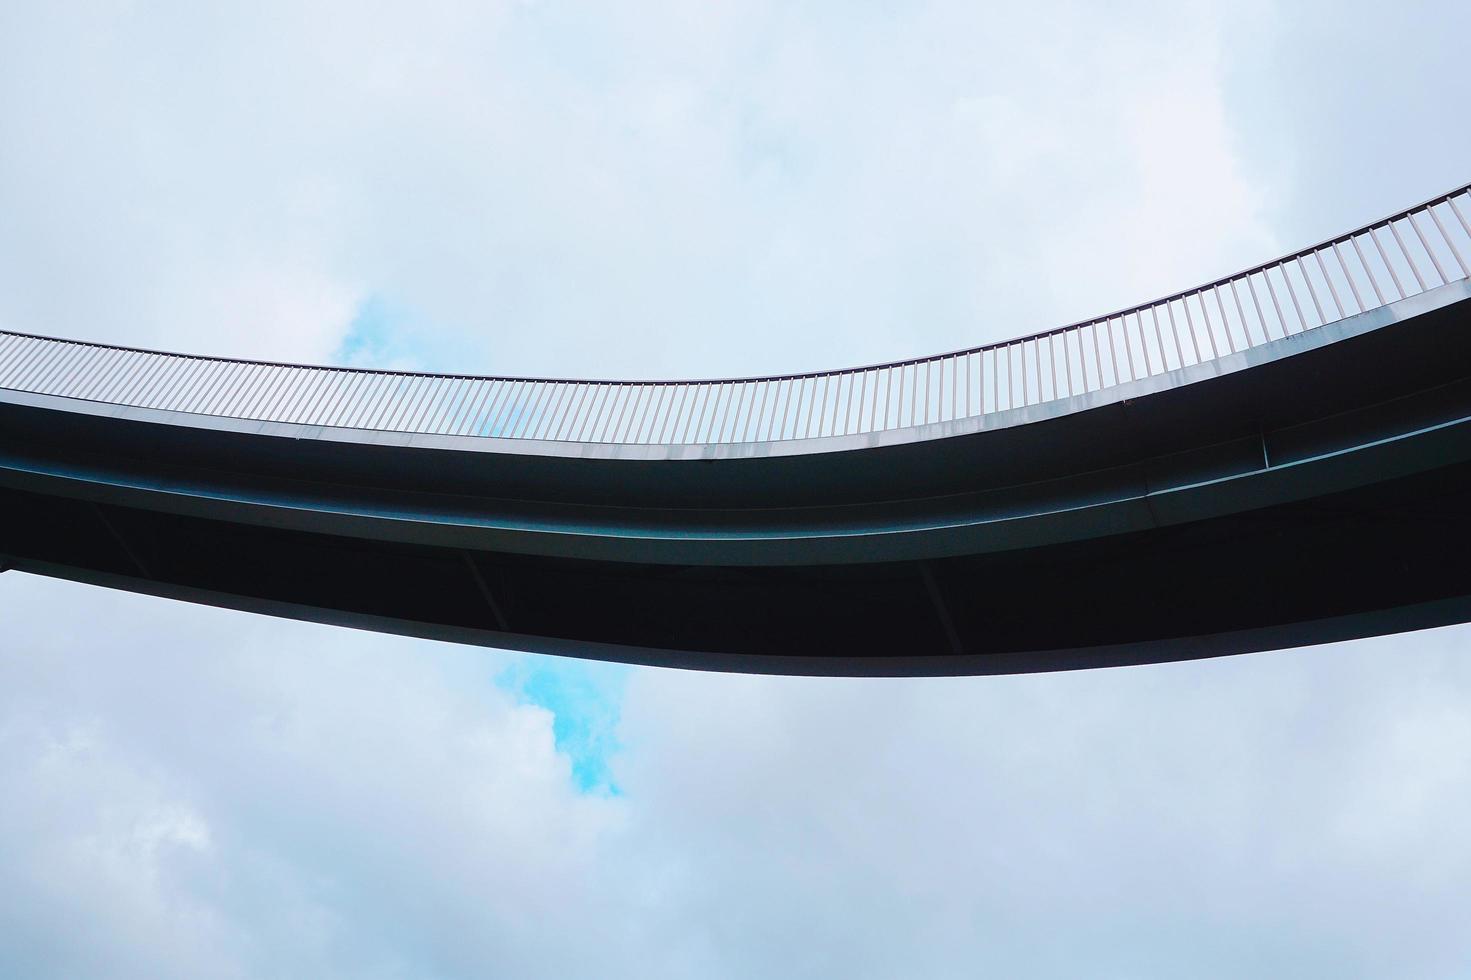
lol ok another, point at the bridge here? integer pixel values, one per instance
(1277, 458)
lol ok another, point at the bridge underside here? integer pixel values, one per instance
(1322, 495)
(1376, 560)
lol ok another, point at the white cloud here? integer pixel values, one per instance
(1294, 812)
(217, 794)
(214, 793)
(604, 190)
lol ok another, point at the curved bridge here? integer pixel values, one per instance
(1278, 458)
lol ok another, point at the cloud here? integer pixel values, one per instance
(750, 189)
(1294, 812)
(216, 794)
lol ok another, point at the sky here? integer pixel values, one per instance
(668, 189)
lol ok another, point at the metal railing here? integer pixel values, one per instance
(1398, 256)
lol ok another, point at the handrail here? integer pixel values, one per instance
(1336, 278)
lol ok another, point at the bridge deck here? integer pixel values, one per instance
(1305, 487)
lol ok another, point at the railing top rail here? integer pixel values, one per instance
(802, 375)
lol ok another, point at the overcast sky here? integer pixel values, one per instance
(691, 189)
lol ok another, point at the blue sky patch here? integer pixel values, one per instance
(585, 699)
(389, 335)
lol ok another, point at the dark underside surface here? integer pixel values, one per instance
(1321, 496)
